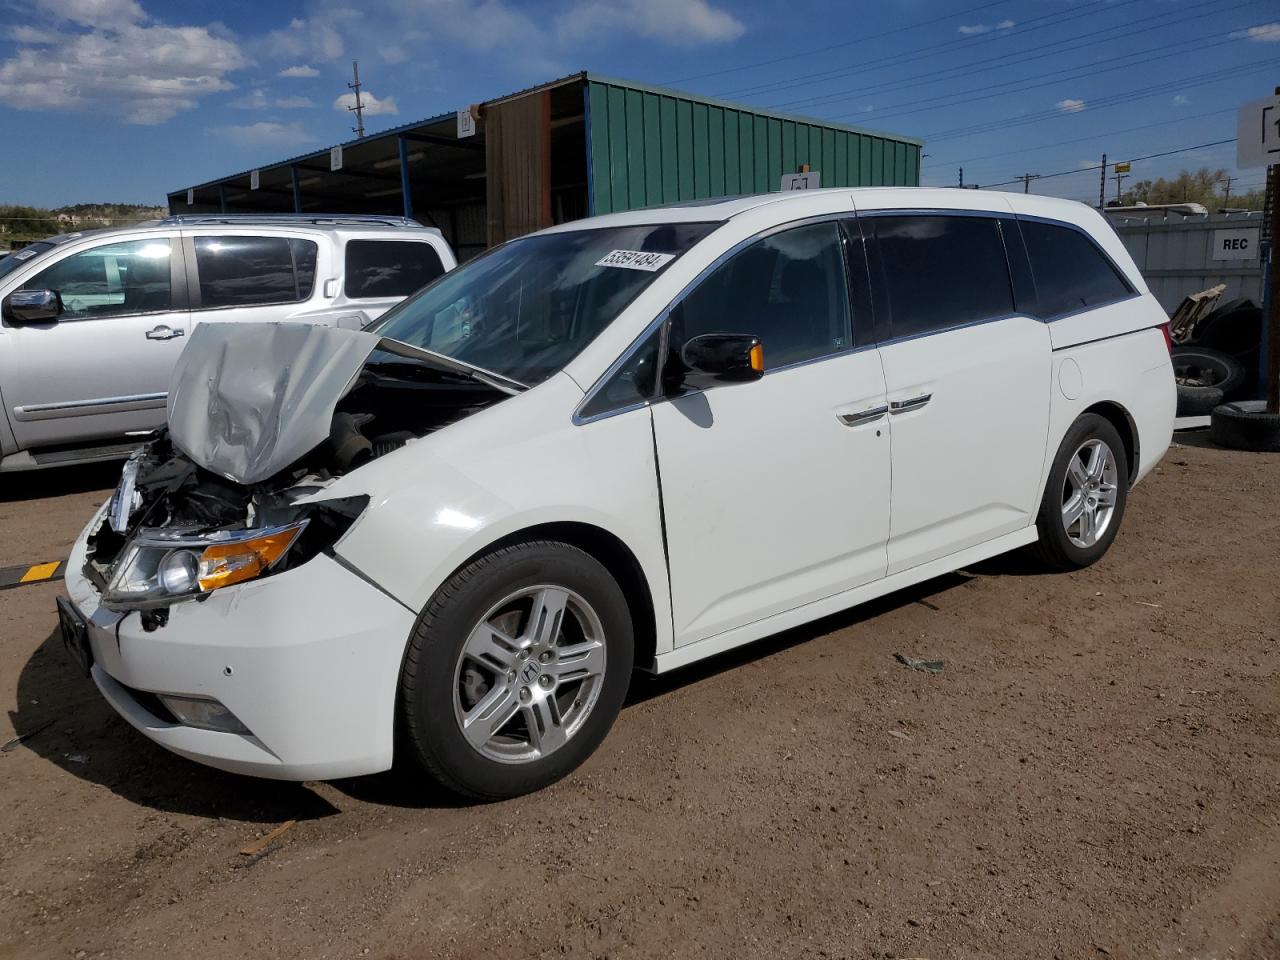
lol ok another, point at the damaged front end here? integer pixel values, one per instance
(262, 419)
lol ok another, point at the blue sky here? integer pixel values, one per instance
(123, 100)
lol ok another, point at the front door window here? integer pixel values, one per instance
(115, 279)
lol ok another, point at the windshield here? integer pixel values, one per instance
(529, 307)
(16, 259)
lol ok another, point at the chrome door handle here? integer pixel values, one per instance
(864, 416)
(915, 403)
(164, 332)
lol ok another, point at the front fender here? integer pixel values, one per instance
(518, 465)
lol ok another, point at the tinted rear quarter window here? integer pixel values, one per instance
(389, 268)
(1071, 273)
(941, 271)
(254, 271)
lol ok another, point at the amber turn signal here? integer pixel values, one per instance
(757, 358)
(226, 563)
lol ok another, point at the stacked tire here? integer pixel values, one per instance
(1220, 365)
(1245, 425)
(1206, 378)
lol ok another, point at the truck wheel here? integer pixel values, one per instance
(516, 670)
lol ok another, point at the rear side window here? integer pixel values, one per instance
(389, 268)
(254, 271)
(941, 271)
(788, 289)
(1071, 273)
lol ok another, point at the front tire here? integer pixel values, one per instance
(516, 670)
(1085, 497)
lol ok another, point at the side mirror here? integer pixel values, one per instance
(714, 359)
(33, 306)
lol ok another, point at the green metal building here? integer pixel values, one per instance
(573, 147)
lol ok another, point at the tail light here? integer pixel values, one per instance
(1168, 337)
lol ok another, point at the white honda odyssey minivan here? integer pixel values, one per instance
(636, 440)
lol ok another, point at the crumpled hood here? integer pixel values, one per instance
(248, 399)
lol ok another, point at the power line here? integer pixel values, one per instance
(842, 44)
(1098, 166)
(1204, 79)
(932, 50)
(1010, 87)
(1096, 136)
(964, 70)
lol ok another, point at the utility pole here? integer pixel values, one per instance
(1102, 184)
(1119, 179)
(962, 178)
(358, 109)
(1026, 179)
(1227, 181)
(1272, 325)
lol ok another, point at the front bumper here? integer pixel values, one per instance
(308, 660)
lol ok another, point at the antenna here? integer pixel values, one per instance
(358, 109)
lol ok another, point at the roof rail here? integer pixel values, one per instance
(316, 218)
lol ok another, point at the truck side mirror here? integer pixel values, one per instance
(33, 306)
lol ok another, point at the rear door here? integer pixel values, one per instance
(101, 370)
(250, 276)
(967, 376)
(776, 493)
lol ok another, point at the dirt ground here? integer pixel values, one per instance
(1095, 774)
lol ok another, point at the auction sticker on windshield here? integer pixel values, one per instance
(635, 260)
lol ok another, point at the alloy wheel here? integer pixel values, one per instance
(1089, 493)
(529, 674)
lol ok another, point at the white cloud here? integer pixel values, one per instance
(302, 71)
(147, 74)
(1181, 100)
(266, 133)
(258, 99)
(103, 14)
(317, 38)
(1264, 33)
(372, 105)
(682, 23)
(398, 30)
(972, 30)
(1070, 106)
(34, 36)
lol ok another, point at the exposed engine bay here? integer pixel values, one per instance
(183, 523)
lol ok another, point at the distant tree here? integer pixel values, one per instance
(1203, 186)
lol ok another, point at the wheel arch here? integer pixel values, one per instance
(1120, 418)
(614, 555)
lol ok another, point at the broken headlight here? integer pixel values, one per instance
(160, 566)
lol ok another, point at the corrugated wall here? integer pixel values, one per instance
(1175, 255)
(649, 148)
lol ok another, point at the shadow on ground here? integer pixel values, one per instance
(88, 740)
(41, 484)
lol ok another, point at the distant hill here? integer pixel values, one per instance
(20, 225)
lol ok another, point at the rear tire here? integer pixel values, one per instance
(1089, 478)
(516, 670)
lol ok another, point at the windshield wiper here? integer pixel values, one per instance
(490, 379)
